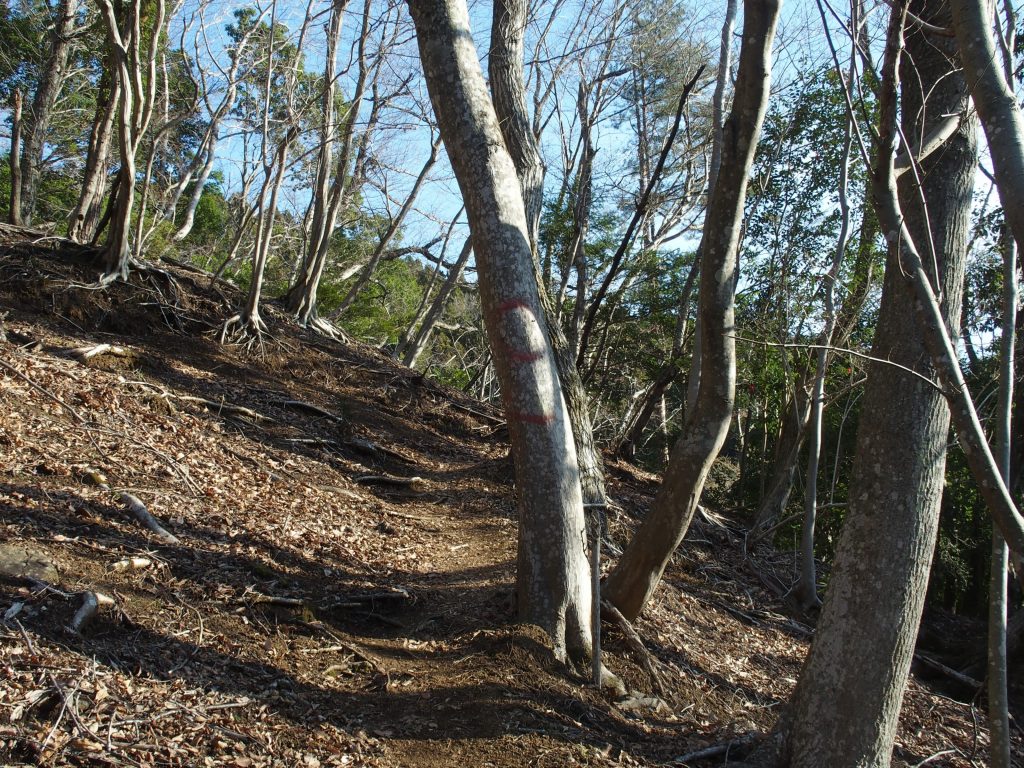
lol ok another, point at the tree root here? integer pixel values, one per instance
(138, 509)
(636, 645)
(245, 330)
(91, 602)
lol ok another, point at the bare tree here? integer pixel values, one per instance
(552, 576)
(14, 214)
(639, 570)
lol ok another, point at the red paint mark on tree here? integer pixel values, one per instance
(525, 357)
(508, 306)
(542, 419)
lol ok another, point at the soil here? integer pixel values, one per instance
(319, 608)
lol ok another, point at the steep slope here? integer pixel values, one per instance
(340, 591)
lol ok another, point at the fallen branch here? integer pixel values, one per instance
(949, 672)
(91, 602)
(718, 749)
(636, 645)
(304, 406)
(138, 509)
(132, 563)
(85, 354)
(414, 484)
(217, 406)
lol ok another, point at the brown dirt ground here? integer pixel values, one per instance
(309, 616)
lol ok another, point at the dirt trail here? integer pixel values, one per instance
(320, 607)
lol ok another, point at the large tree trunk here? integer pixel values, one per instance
(508, 93)
(553, 576)
(847, 701)
(639, 570)
(37, 123)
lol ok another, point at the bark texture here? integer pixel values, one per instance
(847, 701)
(639, 570)
(553, 575)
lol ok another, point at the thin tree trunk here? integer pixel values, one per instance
(84, 219)
(717, 136)
(846, 704)
(37, 126)
(998, 700)
(553, 575)
(392, 229)
(807, 586)
(639, 570)
(14, 214)
(423, 333)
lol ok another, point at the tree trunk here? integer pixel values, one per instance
(136, 78)
(37, 125)
(847, 701)
(996, 105)
(796, 412)
(508, 94)
(14, 214)
(807, 587)
(84, 219)
(553, 575)
(419, 342)
(639, 570)
(998, 701)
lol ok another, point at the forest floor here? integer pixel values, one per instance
(319, 608)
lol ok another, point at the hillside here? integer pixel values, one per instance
(340, 589)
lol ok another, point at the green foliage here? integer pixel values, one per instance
(388, 304)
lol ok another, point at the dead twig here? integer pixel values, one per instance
(414, 484)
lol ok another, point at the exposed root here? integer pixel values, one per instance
(245, 329)
(91, 602)
(325, 327)
(138, 509)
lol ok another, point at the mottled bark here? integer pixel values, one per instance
(639, 570)
(553, 576)
(508, 94)
(847, 701)
(37, 121)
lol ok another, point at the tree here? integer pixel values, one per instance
(636, 575)
(552, 575)
(37, 119)
(508, 92)
(134, 34)
(847, 701)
